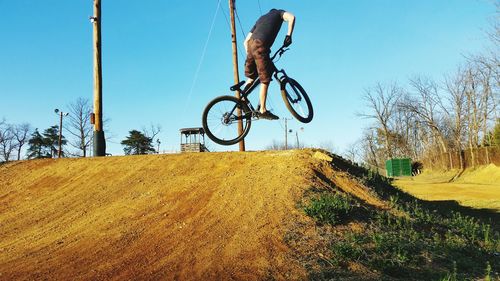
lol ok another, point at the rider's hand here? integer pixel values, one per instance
(288, 41)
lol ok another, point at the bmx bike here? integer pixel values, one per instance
(221, 116)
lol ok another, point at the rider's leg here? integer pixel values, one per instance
(263, 97)
(249, 81)
(248, 84)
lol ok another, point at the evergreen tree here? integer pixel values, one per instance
(51, 139)
(37, 146)
(137, 143)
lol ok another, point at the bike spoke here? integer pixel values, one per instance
(222, 120)
(296, 100)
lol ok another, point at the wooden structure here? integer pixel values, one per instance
(193, 140)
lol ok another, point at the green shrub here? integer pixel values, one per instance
(350, 249)
(329, 208)
(451, 276)
(466, 226)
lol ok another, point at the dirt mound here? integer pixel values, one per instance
(192, 216)
(477, 188)
(487, 174)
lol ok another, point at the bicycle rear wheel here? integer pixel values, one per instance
(296, 100)
(220, 120)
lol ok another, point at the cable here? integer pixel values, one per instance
(239, 21)
(202, 58)
(260, 8)
(243, 56)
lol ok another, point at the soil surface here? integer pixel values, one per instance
(204, 216)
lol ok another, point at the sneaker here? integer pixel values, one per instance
(268, 116)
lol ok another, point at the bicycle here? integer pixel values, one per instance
(221, 116)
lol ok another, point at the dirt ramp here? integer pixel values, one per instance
(211, 216)
(189, 217)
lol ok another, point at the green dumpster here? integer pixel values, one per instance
(398, 167)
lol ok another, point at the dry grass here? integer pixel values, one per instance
(478, 188)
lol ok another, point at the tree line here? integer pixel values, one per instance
(428, 117)
(22, 141)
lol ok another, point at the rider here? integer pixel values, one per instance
(258, 47)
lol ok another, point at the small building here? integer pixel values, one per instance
(398, 167)
(193, 140)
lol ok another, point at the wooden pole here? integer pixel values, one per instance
(235, 65)
(99, 140)
(286, 134)
(297, 136)
(60, 134)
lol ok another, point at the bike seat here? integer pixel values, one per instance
(237, 86)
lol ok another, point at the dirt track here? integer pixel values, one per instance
(187, 217)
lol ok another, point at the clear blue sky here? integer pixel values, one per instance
(151, 51)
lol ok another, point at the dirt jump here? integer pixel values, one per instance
(189, 217)
(204, 216)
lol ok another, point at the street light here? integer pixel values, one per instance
(61, 114)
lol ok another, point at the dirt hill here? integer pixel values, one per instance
(289, 215)
(222, 216)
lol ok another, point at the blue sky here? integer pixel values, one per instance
(152, 49)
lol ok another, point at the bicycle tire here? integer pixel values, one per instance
(296, 99)
(211, 127)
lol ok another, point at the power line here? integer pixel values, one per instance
(202, 58)
(243, 56)
(260, 8)
(239, 21)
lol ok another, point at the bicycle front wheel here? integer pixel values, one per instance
(296, 100)
(221, 117)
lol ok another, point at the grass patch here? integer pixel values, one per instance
(409, 242)
(329, 208)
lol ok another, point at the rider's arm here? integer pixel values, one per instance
(246, 41)
(290, 18)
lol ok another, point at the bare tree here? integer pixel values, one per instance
(79, 126)
(276, 145)
(353, 151)
(371, 150)
(473, 109)
(456, 88)
(21, 133)
(152, 132)
(426, 105)
(485, 75)
(382, 101)
(7, 143)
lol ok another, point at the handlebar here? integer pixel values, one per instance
(279, 52)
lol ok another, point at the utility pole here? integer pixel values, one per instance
(60, 135)
(235, 65)
(286, 134)
(99, 140)
(61, 114)
(297, 136)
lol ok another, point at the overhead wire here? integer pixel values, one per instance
(239, 21)
(260, 8)
(202, 58)
(243, 56)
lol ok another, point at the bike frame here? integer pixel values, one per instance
(244, 94)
